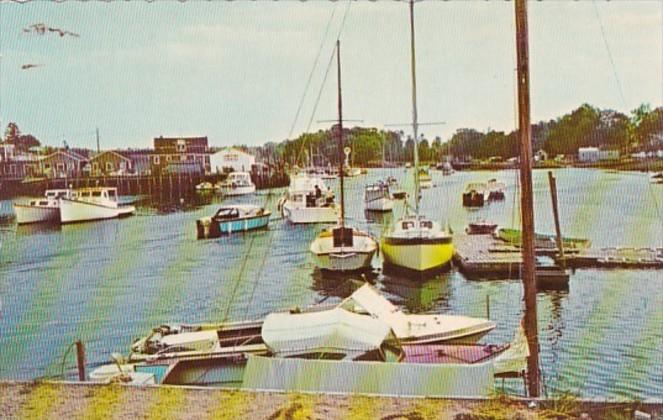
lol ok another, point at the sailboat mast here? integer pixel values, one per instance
(340, 132)
(526, 198)
(415, 126)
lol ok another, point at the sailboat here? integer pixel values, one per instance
(416, 242)
(342, 248)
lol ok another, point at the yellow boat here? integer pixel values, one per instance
(418, 244)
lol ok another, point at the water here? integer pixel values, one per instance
(109, 282)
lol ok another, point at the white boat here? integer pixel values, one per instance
(87, 204)
(342, 248)
(46, 210)
(495, 190)
(233, 219)
(309, 200)
(205, 187)
(656, 178)
(416, 243)
(378, 198)
(237, 183)
(352, 171)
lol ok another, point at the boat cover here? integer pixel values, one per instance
(378, 378)
(288, 333)
(514, 359)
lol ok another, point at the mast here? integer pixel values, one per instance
(340, 133)
(415, 126)
(526, 198)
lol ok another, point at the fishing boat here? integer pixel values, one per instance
(378, 198)
(88, 204)
(415, 242)
(308, 200)
(342, 248)
(237, 183)
(46, 210)
(233, 219)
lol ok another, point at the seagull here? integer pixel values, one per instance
(41, 29)
(30, 66)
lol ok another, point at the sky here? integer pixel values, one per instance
(236, 71)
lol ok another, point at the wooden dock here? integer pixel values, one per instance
(485, 256)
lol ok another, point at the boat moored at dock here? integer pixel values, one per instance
(88, 204)
(309, 200)
(237, 183)
(46, 210)
(378, 198)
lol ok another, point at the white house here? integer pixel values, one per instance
(588, 154)
(231, 159)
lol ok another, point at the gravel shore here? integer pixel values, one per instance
(93, 401)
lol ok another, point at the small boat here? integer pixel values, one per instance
(398, 194)
(391, 181)
(446, 168)
(656, 178)
(352, 171)
(43, 210)
(377, 198)
(233, 219)
(408, 165)
(205, 187)
(308, 200)
(425, 180)
(88, 204)
(329, 174)
(475, 194)
(495, 190)
(237, 183)
(481, 228)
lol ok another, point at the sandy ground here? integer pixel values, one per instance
(87, 401)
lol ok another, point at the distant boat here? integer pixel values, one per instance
(237, 183)
(495, 190)
(352, 171)
(233, 219)
(656, 178)
(481, 228)
(43, 210)
(378, 198)
(309, 200)
(475, 194)
(205, 187)
(88, 204)
(446, 168)
(425, 179)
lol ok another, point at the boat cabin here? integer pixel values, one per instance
(95, 194)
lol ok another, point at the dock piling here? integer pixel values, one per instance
(80, 360)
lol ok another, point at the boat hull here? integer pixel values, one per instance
(230, 191)
(380, 204)
(34, 214)
(310, 214)
(344, 261)
(416, 254)
(243, 225)
(74, 211)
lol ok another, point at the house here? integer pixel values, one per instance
(19, 166)
(111, 162)
(588, 154)
(193, 150)
(231, 160)
(7, 151)
(63, 164)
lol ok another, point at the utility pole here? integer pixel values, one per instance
(98, 149)
(526, 199)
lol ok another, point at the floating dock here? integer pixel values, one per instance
(488, 256)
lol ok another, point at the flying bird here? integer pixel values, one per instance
(41, 29)
(30, 66)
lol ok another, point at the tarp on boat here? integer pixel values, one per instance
(379, 378)
(514, 359)
(289, 333)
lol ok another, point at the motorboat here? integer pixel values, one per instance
(352, 171)
(88, 204)
(206, 187)
(233, 219)
(656, 178)
(343, 248)
(378, 198)
(495, 190)
(237, 183)
(309, 200)
(46, 210)
(475, 194)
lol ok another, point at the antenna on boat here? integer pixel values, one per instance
(340, 135)
(526, 198)
(415, 126)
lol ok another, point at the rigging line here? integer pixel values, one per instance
(310, 76)
(607, 47)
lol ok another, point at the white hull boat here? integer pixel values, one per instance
(230, 191)
(299, 215)
(308, 200)
(45, 210)
(331, 252)
(238, 183)
(377, 198)
(88, 204)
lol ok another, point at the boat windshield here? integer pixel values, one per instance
(227, 213)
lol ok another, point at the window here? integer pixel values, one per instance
(426, 224)
(123, 165)
(96, 193)
(109, 166)
(408, 225)
(60, 167)
(181, 145)
(168, 158)
(155, 159)
(95, 166)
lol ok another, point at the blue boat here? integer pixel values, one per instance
(233, 219)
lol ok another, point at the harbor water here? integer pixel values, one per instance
(108, 283)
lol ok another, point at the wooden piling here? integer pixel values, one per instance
(558, 231)
(80, 360)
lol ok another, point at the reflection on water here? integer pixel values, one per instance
(418, 297)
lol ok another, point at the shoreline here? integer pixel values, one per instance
(90, 400)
